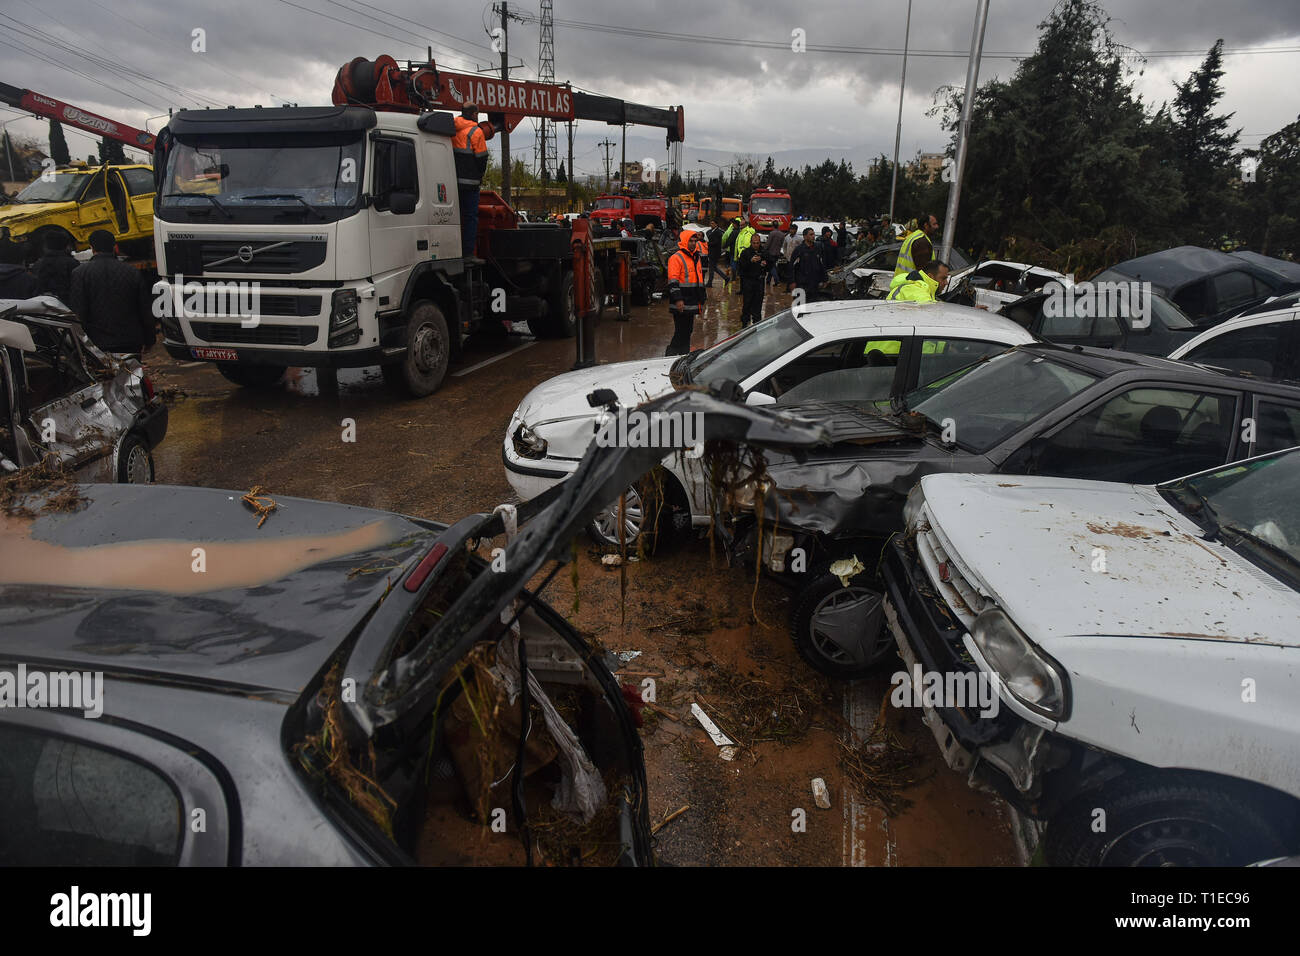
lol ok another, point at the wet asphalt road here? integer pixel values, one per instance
(440, 458)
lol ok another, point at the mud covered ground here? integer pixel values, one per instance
(692, 618)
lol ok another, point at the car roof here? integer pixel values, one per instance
(826, 318)
(1175, 267)
(1272, 316)
(1279, 267)
(140, 614)
(1109, 362)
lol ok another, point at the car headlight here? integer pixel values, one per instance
(1031, 676)
(528, 444)
(912, 508)
(744, 495)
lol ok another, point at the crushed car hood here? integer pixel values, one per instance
(115, 582)
(1029, 544)
(856, 486)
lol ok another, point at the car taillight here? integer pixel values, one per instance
(421, 573)
(148, 388)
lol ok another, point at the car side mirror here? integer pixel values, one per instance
(759, 398)
(401, 204)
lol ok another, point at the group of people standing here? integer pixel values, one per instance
(111, 299)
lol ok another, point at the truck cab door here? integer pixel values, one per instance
(397, 241)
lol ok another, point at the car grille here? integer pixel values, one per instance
(236, 334)
(949, 576)
(196, 257)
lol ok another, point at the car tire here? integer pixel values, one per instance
(645, 518)
(428, 352)
(561, 321)
(251, 376)
(1165, 819)
(134, 461)
(814, 616)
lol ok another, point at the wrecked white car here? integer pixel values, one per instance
(1144, 641)
(68, 406)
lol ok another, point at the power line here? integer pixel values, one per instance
(648, 34)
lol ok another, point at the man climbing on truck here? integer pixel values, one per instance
(470, 146)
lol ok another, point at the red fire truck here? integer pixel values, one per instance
(609, 209)
(770, 208)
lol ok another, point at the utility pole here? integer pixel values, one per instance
(545, 150)
(606, 145)
(898, 133)
(622, 166)
(505, 75)
(963, 131)
(569, 184)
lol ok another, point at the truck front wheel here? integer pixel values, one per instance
(1164, 819)
(428, 350)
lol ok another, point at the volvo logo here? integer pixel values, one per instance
(245, 253)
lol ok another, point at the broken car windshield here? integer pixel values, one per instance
(751, 349)
(991, 400)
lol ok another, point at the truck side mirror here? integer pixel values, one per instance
(401, 204)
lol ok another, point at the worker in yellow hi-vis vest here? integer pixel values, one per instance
(918, 246)
(919, 285)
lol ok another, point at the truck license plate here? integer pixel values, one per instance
(216, 355)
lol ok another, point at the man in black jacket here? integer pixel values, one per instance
(714, 235)
(54, 269)
(807, 271)
(111, 301)
(15, 281)
(753, 277)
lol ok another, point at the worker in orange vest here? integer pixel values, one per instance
(470, 147)
(685, 292)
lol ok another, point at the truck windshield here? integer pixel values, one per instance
(774, 205)
(243, 171)
(62, 188)
(611, 204)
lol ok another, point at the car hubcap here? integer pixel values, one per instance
(137, 466)
(839, 624)
(633, 516)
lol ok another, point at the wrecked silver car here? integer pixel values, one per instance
(67, 406)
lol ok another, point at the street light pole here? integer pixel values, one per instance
(963, 132)
(898, 132)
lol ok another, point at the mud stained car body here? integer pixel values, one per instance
(69, 405)
(1144, 641)
(863, 351)
(1102, 321)
(1034, 410)
(338, 686)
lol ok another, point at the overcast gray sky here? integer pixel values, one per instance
(133, 59)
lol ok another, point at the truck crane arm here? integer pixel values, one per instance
(39, 104)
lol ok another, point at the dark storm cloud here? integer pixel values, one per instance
(741, 97)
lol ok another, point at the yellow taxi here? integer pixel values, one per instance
(77, 200)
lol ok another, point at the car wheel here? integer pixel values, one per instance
(428, 352)
(134, 462)
(1170, 819)
(251, 376)
(840, 631)
(642, 518)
